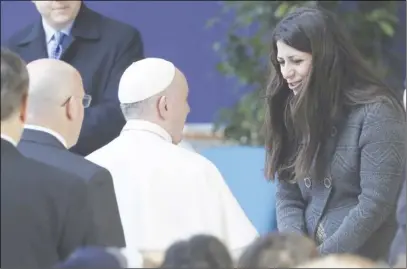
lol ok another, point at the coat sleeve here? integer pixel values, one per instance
(106, 212)
(290, 208)
(383, 156)
(105, 119)
(239, 231)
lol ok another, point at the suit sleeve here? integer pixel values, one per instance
(105, 119)
(106, 212)
(290, 208)
(78, 229)
(383, 157)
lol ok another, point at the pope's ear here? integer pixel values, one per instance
(162, 107)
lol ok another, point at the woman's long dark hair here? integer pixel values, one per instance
(298, 126)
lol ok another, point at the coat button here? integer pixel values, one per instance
(327, 182)
(307, 182)
(334, 131)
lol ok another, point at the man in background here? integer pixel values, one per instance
(165, 192)
(56, 102)
(100, 48)
(45, 213)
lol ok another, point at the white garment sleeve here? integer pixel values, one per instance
(238, 230)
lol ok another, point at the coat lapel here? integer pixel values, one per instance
(85, 28)
(36, 41)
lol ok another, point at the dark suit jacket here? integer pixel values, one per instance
(100, 49)
(45, 212)
(46, 148)
(351, 205)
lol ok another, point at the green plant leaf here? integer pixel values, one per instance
(282, 10)
(212, 22)
(387, 28)
(216, 46)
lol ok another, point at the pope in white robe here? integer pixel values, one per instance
(165, 192)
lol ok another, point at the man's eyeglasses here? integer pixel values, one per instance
(86, 100)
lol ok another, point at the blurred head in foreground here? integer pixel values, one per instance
(201, 251)
(277, 250)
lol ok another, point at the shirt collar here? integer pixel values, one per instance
(48, 131)
(49, 31)
(142, 125)
(9, 139)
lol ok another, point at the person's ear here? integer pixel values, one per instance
(23, 108)
(162, 107)
(71, 109)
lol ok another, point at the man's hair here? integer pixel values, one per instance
(278, 250)
(133, 110)
(201, 251)
(139, 109)
(14, 82)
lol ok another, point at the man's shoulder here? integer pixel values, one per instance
(73, 163)
(85, 168)
(48, 174)
(59, 158)
(196, 160)
(18, 36)
(111, 25)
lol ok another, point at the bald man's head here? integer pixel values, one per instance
(55, 97)
(53, 81)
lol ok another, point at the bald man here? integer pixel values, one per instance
(45, 212)
(56, 103)
(165, 192)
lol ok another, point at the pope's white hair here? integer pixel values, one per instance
(138, 110)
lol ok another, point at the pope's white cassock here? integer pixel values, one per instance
(167, 193)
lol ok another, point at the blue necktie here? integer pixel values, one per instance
(56, 45)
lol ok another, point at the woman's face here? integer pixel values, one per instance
(295, 65)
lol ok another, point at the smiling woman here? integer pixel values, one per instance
(332, 124)
(295, 65)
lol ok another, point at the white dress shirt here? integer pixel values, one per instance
(9, 139)
(167, 193)
(49, 34)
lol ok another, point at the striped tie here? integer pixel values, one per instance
(56, 45)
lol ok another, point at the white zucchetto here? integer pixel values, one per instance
(144, 79)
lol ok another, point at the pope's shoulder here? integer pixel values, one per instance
(194, 158)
